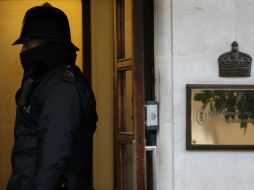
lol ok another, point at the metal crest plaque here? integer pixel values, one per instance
(234, 63)
(220, 117)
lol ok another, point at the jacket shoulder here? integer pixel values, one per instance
(68, 74)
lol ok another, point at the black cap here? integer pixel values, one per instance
(46, 22)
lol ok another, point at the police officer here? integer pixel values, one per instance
(56, 116)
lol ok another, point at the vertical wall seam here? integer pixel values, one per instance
(236, 25)
(157, 78)
(172, 100)
(157, 81)
(235, 4)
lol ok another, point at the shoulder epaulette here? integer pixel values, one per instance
(68, 74)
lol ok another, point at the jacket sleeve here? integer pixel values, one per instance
(59, 117)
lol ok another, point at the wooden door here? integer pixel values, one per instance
(129, 95)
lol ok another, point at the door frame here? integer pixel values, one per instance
(138, 90)
(87, 47)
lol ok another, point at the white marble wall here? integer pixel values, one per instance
(189, 37)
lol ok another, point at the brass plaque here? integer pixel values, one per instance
(220, 116)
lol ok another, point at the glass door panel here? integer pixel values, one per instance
(125, 101)
(127, 166)
(124, 29)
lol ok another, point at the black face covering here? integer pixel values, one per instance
(32, 56)
(45, 57)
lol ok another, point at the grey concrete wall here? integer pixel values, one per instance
(189, 37)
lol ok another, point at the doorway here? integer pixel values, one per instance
(102, 75)
(133, 85)
(140, 79)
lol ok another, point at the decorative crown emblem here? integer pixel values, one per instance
(234, 63)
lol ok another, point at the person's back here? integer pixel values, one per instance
(55, 118)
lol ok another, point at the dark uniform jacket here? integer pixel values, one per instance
(54, 130)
